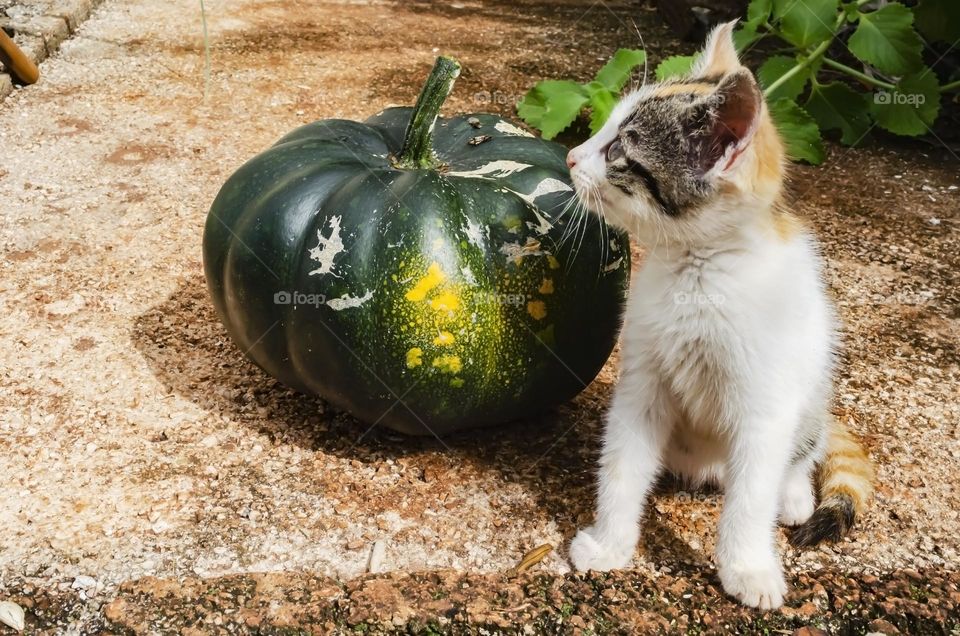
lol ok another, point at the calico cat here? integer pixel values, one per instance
(728, 340)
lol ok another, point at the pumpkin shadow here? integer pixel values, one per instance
(552, 455)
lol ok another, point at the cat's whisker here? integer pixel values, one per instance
(578, 210)
(645, 59)
(585, 223)
(602, 220)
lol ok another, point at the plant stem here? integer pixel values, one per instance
(952, 86)
(860, 76)
(417, 149)
(783, 79)
(814, 55)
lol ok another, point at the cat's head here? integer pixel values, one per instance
(687, 158)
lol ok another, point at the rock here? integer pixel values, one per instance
(11, 615)
(377, 554)
(85, 583)
(881, 626)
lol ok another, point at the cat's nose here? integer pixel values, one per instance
(571, 160)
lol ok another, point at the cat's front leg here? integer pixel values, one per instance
(747, 559)
(637, 429)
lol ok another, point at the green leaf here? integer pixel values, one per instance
(798, 130)
(616, 72)
(939, 20)
(759, 10)
(836, 106)
(886, 39)
(602, 102)
(746, 35)
(552, 105)
(674, 66)
(777, 66)
(805, 23)
(851, 11)
(912, 108)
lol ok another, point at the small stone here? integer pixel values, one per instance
(473, 121)
(84, 582)
(880, 626)
(11, 615)
(377, 554)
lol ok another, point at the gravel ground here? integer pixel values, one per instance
(38, 27)
(135, 440)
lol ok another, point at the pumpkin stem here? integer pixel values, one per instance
(417, 150)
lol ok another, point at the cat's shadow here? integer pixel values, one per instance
(552, 456)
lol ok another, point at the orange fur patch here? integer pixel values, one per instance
(786, 225)
(847, 469)
(768, 150)
(697, 88)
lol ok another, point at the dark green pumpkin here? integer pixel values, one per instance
(416, 280)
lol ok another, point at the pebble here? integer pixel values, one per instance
(378, 553)
(84, 582)
(11, 615)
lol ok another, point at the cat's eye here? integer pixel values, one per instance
(614, 150)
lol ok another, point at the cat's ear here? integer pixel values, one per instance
(724, 123)
(719, 55)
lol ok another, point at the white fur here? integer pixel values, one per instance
(727, 352)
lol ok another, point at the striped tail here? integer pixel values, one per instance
(846, 485)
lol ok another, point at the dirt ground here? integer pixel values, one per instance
(136, 441)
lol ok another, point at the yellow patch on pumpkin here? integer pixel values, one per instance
(445, 338)
(553, 262)
(456, 383)
(546, 287)
(537, 309)
(434, 277)
(445, 302)
(414, 357)
(448, 363)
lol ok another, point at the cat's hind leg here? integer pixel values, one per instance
(797, 498)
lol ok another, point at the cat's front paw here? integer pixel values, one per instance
(759, 586)
(587, 553)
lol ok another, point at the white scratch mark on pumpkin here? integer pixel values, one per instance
(468, 275)
(348, 302)
(509, 129)
(516, 252)
(614, 265)
(475, 232)
(493, 170)
(327, 248)
(547, 186)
